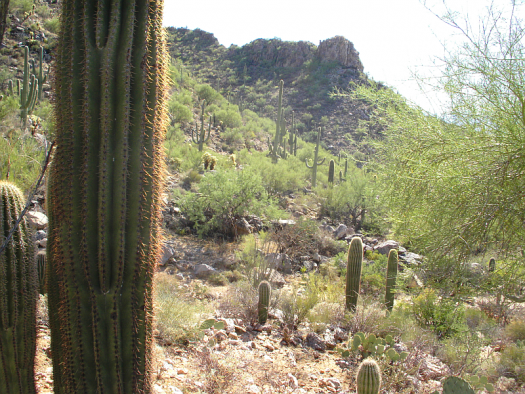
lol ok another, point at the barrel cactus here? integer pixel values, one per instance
(391, 277)
(105, 192)
(368, 377)
(18, 296)
(265, 292)
(353, 273)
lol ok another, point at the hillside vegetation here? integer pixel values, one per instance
(279, 156)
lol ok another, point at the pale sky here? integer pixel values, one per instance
(394, 38)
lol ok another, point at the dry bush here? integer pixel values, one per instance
(218, 377)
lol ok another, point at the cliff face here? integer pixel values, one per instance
(340, 50)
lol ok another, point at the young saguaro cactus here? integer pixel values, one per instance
(265, 292)
(331, 172)
(353, 273)
(391, 277)
(40, 74)
(274, 148)
(105, 187)
(28, 92)
(18, 295)
(316, 162)
(201, 138)
(368, 377)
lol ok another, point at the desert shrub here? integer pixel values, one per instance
(206, 92)
(297, 302)
(462, 352)
(178, 314)
(299, 239)
(179, 112)
(20, 7)
(515, 331)
(223, 198)
(368, 317)
(324, 314)
(52, 25)
(229, 115)
(444, 316)
(512, 363)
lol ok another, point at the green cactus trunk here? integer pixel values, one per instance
(331, 172)
(29, 90)
(391, 277)
(201, 138)
(316, 162)
(18, 296)
(353, 273)
(265, 291)
(492, 264)
(41, 269)
(368, 377)
(105, 192)
(346, 168)
(278, 132)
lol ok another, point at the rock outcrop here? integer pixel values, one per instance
(341, 50)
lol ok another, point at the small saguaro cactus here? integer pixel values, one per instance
(316, 162)
(341, 179)
(279, 131)
(265, 292)
(40, 75)
(18, 296)
(353, 273)
(28, 92)
(346, 168)
(391, 276)
(331, 172)
(200, 138)
(492, 264)
(368, 377)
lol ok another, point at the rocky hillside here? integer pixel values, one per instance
(248, 76)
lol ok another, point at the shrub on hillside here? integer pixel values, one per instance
(225, 197)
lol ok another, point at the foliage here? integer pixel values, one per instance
(444, 316)
(223, 198)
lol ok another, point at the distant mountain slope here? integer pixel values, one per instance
(248, 76)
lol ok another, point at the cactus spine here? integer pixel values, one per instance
(201, 138)
(18, 295)
(28, 92)
(353, 273)
(265, 292)
(331, 172)
(368, 377)
(316, 162)
(106, 194)
(391, 276)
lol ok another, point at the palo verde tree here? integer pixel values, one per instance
(105, 194)
(454, 184)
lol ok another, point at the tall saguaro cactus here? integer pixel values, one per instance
(201, 137)
(29, 90)
(105, 191)
(353, 273)
(274, 149)
(391, 277)
(265, 291)
(18, 295)
(316, 162)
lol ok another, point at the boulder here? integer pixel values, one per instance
(167, 253)
(341, 231)
(203, 270)
(386, 246)
(37, 220)
(315, 342)
(410, 258)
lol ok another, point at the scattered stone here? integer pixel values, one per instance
(221, 336)
(341, 231)
(42, 243)
(240, 330)
(203, 270)
(410, 258)
(40, 235)
(386, 246)
(253, 389)
(167, 253)
(37, 220)
(293, 381)
(330, 382)
(340, 335)
(315, 342)
(175, 390)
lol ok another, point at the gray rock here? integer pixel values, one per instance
(40, 235)
(37, 220)
(203, 270)
(342, 231)
(276, 279)
(386, 246)
(42, 243)
(316, 257)
(167, 253)
(315, 342)
(410, 258)
(309, 265)
(280, 261)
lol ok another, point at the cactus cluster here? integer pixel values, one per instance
(265, 292)
(18, 295)
(353, 273)
(209, 161)
(368, 378)
(372, 345)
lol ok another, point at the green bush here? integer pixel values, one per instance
(512, 363)
(444, 316)
(206, 92)
(223, 198)
(52, 25)
(515, 331)
(179, 112)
